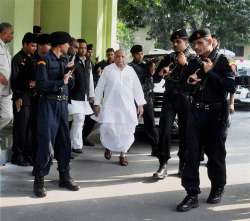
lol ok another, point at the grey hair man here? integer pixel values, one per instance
(6, 36)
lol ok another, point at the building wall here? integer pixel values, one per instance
(20, 14)
(94, 20)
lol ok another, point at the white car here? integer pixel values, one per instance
(242, 96)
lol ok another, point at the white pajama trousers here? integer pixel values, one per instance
(76, 131)
(6, 111)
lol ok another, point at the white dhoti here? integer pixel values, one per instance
(117, 137)
(118, 115)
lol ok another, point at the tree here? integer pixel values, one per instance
(124, 35)
(228, 19)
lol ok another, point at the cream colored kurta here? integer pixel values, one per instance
(116, 92)
(5, 67)
(83, 107)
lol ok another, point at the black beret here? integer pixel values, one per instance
(89, 47)
(180, 33)
(136, 48)
(28, 38)
(59, 37)
(201, 33)
(43, 39)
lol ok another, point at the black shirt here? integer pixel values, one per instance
(176, 82)
(21, 75)
(102, 64)
(146, 79)
(49, 75)
(217, 82)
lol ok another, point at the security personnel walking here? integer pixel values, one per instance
(174, 69)
(146, 78)
(21, 75)
(43, 47)
(212, 81)
(52, 122)
(98, 69)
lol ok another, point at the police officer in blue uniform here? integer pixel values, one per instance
(146, 78)
(52, 120)
(208, 121)
(43, 47)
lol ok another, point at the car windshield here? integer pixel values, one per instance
(244, 71)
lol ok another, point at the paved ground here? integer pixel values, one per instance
(113, 193)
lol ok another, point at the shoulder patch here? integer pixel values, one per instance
(41, 62)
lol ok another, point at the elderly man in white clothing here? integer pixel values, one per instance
(117, 91)
(6, 112)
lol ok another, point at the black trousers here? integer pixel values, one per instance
(174, 104)
(33, 117)
(22, 137)
(149, 125)
(88, 126)
(209, 128)
(52, 136)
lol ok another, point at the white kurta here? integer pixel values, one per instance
(6, 112)
(83, 107)
(5, 67)
(116, 92)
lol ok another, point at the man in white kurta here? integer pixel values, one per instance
(80, 96)
(117, 91)
(6, 113)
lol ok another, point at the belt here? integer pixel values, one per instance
(57, 97)
(207, 107)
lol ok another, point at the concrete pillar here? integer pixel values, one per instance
(99, 24)
(62, 15)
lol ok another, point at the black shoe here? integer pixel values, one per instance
(215, 195)
(77, 151)
(39, 189)
(67, 182)
(188, 203)
(87, 143)
(72, 158)
(161, 173)
(107, 154)
(20, 161)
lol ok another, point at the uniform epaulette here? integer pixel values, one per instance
(41, 62)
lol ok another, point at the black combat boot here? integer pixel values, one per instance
(188, 203)
(65, 181)
(39, 188)
(161, 173)
(215, 195)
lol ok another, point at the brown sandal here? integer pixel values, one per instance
(123, 161)
(107, 154)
